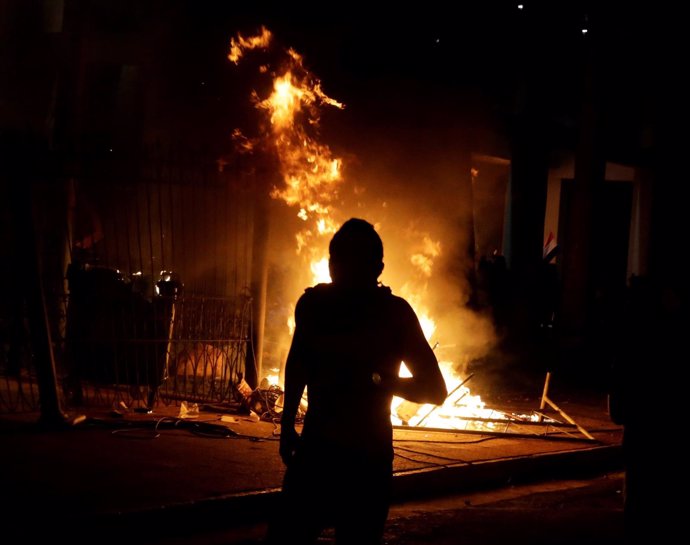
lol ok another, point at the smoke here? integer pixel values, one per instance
(417, 191)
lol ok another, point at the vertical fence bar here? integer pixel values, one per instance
(28, 265)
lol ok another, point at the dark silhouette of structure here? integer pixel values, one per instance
(349, 340)
(649, 344)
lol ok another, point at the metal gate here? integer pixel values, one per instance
(147, 270)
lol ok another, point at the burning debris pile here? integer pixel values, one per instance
(265, 401)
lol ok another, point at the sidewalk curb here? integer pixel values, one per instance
(253, 507)
(493, 473)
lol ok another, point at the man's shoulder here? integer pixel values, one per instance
(315, 293)
(322, 293)
(402, 308)
(398, 303)
(314, 297)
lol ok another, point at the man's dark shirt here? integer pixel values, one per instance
(342, 337)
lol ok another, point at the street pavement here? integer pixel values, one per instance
(554, 512)
(135, 473)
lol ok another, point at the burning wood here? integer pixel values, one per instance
(450, 396)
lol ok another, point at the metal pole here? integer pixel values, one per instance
(28, 269)
(544, 394)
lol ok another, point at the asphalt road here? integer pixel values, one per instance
(555, 513)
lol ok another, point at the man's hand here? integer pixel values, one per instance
(288, 443)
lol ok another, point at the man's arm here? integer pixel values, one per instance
(295, 382)
(426, 385)
(418, 390)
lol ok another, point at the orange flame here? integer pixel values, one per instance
(311, 179)
(240, 44)
(310, 172)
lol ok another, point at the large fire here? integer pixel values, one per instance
(312, 177)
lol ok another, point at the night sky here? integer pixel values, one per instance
(434, 64)
(429, 64)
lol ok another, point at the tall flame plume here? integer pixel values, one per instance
(312, 178)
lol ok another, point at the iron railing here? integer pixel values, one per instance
(110, 243)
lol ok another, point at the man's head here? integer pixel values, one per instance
(356, 254)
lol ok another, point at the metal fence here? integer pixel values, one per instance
(171, 349)
(147, 268)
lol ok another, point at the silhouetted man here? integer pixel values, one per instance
(349, 340)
